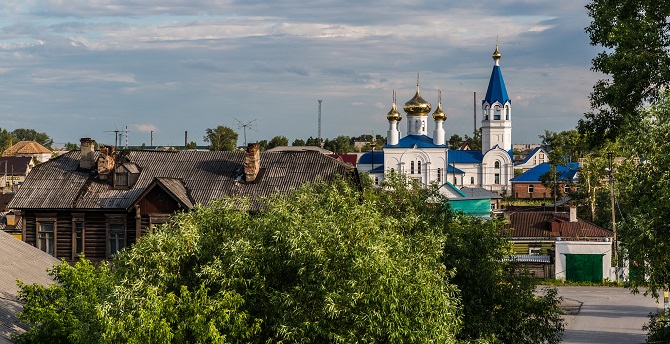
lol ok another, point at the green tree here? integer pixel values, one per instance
(191, 145)
(5, 138)
(498, 296)
(71, 146)
(298, 142)
(562, 147)
(313, 141)
(341, 144)
(278, 141)
(455, 141)
(636, 39)
(221, 138)
(32, 135)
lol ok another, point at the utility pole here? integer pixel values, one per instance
(319, 130)
(616, 244)
(244, 126)
(474, 111)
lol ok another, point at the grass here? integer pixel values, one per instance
(558, 282)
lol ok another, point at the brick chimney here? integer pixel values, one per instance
(105, 162)
(573, 213)
(252, 162)
(87, 148)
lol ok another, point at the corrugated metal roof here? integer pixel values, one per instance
(420, 141)
(16, 165)
(60, 184)
(567, 172)
(464, 156)
(18, 261)
(496, 92)
(537, 224)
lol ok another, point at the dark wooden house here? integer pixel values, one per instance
(98, 202)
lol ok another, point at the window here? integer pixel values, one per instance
(496, 113)
(46, 235)
(77, 237)
(496, 178)
(411, 167)
(472, 180)
(418, 167)
(534, 251)
(507, 113)
(121, 179)
(541, 155)
(566, 189)
(531, 188)
(116, 237)
(376, 180)
(497, 164)
(439, 175)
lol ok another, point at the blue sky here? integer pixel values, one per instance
(82, 68)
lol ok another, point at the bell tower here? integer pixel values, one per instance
(497, 111)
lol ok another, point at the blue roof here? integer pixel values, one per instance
(367, 158)
(464, 156)
(421, 141)
(565, 172)
(530, 155)
(377, 169)
(452, 169)
(497, 90)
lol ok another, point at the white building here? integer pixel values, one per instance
(428, 158)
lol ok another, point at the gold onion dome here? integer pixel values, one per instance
(417, 105)
(439, 114)
(394, 115)
(496, 54)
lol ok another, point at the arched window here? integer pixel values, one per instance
(486, 113)
(497, 164)
(411, 167)
(507, 112)
(472, 180)
(439, 175)
(418, 167)
(496, 113)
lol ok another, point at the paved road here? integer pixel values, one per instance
(607, 315)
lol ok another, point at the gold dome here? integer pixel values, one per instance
(496, 54)
(394, 115)
(417, 106)
(439, 115)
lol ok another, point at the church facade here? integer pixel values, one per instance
(427, 158)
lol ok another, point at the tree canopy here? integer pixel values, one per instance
(221, 138)
(323, 264)
(636, 36)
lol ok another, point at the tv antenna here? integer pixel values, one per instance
(244, 126)
(118, 134)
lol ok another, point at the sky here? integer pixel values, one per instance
(85, 68)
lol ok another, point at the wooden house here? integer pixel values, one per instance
(98, 202)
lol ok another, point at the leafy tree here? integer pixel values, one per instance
(221, 138)
(566, 146)
(313, 141)
(32, 135)
(476, 141)
(341, 144)
(635, 34)
(278, 141)
(263, 144)
(298, 142)
(498, 297)
(191, 145)
(455, 141)
(71, 146)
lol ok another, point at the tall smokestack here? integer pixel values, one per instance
(185, 138)
(152, 138)
(87, 147)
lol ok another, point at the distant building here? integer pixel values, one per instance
(30, 149)
(429, 160)
(13, 171)
(529, 184)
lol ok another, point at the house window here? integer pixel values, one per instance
(77, 237)
(534, 251)
(496, 178)
(46, 236)
(496, 113)
(376, 180)
(411, 167)
(418, 167)
(116, 237)
(439, 175)
(541, 155)
(531, 188)
(566, 189)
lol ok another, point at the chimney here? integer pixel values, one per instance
(573, 213)
(87, 147)
(252, 162)
(105, 162)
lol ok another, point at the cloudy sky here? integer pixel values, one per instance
(83, 68)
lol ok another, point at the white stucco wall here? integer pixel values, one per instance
(583, 247)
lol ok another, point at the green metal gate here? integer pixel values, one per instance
(584, 267)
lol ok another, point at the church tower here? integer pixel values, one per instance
(417, 110)
(439, 116)
(497, 111)
(394, 117)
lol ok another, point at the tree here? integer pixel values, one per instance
(455, 141)
(278, 141)
(312, 141)
(5, 138)
(191, 145)
(341, 144)
(636, 36)
(32, 135)
(221, 138)
(71, 146)
(498, 297)
(298, 142)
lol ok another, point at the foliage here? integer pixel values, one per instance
(66, 312)
(71, 146)
(658, 329)
(340, 144)
(566, 146)
(191, 145)
(298, 142)
(455, 141)
(643, 185)
(221, 138)
(497, 295)
(278, 141)
(635, 34)
(32, 135)
(313, 141)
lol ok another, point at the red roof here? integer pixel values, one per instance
(548, 224)
(346, 158)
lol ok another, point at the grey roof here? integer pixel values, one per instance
(18, 261)
(60, 183)
(479, 193)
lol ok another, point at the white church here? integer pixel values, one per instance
(428, 159)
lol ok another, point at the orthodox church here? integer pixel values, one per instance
(428, 159)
